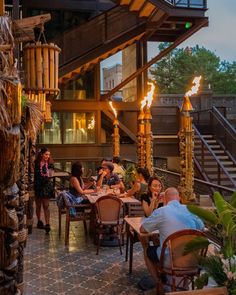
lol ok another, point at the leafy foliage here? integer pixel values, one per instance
(222, 265)
(178, 68)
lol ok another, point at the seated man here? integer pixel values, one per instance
(167, 219)
(107, 177)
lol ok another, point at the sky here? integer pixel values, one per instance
(219, 36)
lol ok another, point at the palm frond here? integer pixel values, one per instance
(205, 214)
(35, 118)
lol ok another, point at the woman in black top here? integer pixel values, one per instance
(43, 186)
(153, 198)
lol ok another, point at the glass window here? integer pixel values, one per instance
(79, 127)
(80, 88)
(50, 132)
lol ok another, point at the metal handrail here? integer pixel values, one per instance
(188, 3)
(224, 122)
(216, 186)
(213, 155)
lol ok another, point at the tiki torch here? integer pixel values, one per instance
(186, 145)
(148, 129)
(141, 136)
(116, 136)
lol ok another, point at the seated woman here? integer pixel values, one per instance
(77, 187)
(153, 198)
(141, 184)
(107, 177)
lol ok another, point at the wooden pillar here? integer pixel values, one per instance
(2, 7)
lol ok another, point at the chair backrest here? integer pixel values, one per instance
(108, 208)
(174, 246)
(205, 291)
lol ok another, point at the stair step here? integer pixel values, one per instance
(223, 157)
(211, 141)
(207, 136)
(230, 169)
(226, 163)
(219, 152)
(216, 146)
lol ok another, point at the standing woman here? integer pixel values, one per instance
(43, 187)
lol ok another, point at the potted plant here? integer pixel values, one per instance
(221, 264)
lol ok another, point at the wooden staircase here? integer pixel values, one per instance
(113, 30)
(214, 161)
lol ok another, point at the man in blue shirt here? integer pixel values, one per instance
(167, 220)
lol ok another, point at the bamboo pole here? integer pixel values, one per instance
(51, 65)
(56, 66)
(27, 68)
(45, 68)
(32, 69)
(39, 69)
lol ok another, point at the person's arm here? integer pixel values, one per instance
(152, 222)
(76, 185)
(146, 208)
(135, 188)
(100, 178)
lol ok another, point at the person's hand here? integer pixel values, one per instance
(97, 189)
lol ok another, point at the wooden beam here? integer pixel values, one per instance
(199, 24)
(32, 22)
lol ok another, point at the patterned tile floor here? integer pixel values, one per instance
(51, 268)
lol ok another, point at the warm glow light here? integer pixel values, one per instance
(91, 124)
(194, 89)
(113, 109)
(147, 100)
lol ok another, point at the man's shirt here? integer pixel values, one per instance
(169, 219)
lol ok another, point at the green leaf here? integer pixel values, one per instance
(201, 281)
(233, 200)
(205, 214)
(196, 244)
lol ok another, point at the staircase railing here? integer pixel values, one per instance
(200, 186)
(221, 171)
(188, 3)
(224, 131)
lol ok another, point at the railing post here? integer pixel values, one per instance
(219, 176)
(202, 153)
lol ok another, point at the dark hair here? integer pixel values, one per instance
(109, 165)
(116, 160)
(76, 171)
(151, 179)
(40, 154)
(144, 172)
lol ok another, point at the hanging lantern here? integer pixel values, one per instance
(41, 68)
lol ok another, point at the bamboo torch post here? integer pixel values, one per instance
(116, 135)
(149, 140)
(141, 140)
(186, 146)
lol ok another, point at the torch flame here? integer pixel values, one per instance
(147, 100)
(194, 89)
(113, 109)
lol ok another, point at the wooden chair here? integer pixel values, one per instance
(82, 214)
(179, 269)
(205, 291)
(108, 221)
(134, 210)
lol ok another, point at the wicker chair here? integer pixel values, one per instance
(179, 269)
(108, 221)
(82, 213)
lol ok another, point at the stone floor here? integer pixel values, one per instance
(52, 268)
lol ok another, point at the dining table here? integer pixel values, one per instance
(133, 229)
